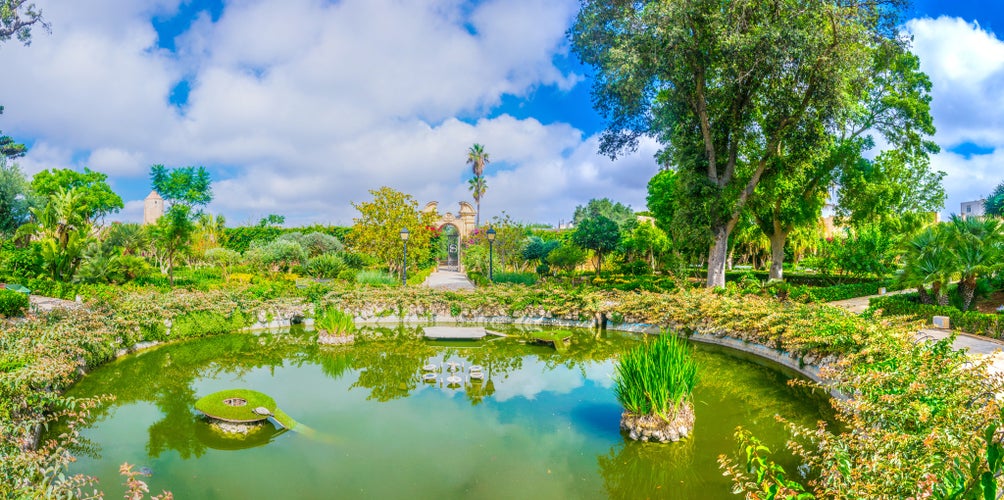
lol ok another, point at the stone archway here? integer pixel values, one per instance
(463, 224)
(463, 220)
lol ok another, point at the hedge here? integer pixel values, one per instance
(975, 322)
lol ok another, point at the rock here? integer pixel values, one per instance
(654, 428)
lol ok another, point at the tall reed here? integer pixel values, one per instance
(657, 377)
(334, 321)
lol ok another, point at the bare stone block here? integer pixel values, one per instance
(941, 322)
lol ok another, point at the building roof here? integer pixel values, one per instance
(153, 196)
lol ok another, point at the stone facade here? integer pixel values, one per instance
(153, 208)
(464, 221)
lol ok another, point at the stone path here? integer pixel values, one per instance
(976, 345)
(448, 280)
(46, 304)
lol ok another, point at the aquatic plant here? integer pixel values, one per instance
(656, 378)
(334, 321)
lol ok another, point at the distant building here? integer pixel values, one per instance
(972, 209)
(153, 208)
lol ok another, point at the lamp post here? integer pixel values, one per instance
(491, 254)
(404, 268)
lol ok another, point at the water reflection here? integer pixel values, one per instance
(538, 409)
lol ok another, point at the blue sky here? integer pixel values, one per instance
(298, 107)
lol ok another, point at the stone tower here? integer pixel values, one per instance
(153, 208)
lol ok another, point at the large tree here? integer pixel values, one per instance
(722, 84)
(377, 230)
(891, 97)
(97, 198)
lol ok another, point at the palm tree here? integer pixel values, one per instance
(976, 250)
(478, 186)
(928, 262)
(477, 157)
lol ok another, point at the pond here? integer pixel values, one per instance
(543, 423)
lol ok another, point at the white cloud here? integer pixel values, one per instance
(966, 66)
(301, 106)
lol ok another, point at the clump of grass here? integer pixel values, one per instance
(334, 321)
(214, 406)
(656, 378)
(375, 277)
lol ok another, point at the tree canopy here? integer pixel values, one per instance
(377, 230)
(96, 197)
(599, 234)
(186, 185)
(9, 148)
(622, 214)
(723, 85)
(995, 202)
(17, 18)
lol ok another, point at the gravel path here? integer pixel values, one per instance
(448, 280)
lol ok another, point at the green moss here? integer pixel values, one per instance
(284, 419)
(213, 405)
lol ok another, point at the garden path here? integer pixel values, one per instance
(46, 304)
(443, 279)
(976, 345)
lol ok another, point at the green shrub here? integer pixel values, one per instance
(528, 279)
(12, 303)
(478, 278)
(657, 377)
(47, 287)
(202, 323)
(354, 260)
(326, 266)
(348, 275)
(977, 323)
(376, 277)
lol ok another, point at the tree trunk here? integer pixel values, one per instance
(777, 253)
(170, 267)
(732, 255)
(717, 255)
(939, 294)
(925, 298)
(967, 289)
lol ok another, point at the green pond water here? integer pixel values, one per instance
(543, 423)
